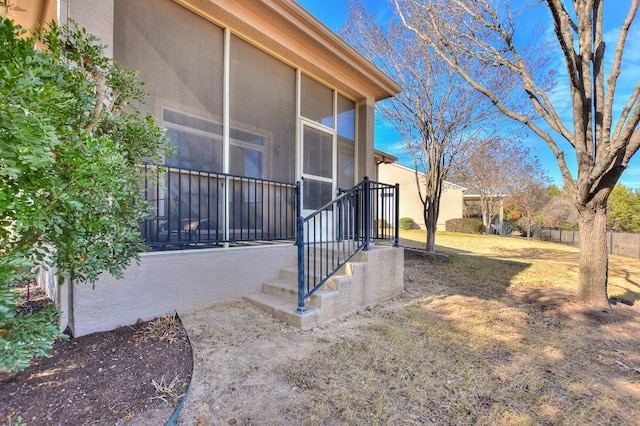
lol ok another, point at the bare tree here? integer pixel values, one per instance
(435, 113)
(530, 201)
(495, 169)
(468, 32)
(559, 212)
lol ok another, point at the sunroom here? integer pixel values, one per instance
(272, 117)
(247, 120)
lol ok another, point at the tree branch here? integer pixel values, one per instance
(100, 77)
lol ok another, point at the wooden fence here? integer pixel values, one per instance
(620, 243)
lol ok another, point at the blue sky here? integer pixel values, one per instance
(333, 14)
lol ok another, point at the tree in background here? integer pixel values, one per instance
(623, 210)
(71, 141)
(435, 113)
(468, 34)
(498, 168)
(530, 200)
(559, 212)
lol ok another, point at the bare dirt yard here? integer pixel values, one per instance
(487, 332)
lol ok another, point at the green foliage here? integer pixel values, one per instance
(406, 223)
(555, 191)
(623, 209)
(464, 226)
(70, 144)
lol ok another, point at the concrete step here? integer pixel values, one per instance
(291, 273)
(289, 277)
(344, 293)
(336, 298)
(288, 290)
(285, 311)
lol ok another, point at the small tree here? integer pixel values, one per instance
(71, 140)
(530, 200)
(496, 169)
(623, 211)
(435, 114)
(559, 212)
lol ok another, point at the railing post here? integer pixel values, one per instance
(340, 221)
(396, 242)
(300, 243)
(367, 213)
(356, 216)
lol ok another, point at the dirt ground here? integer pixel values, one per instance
(250, 369)
(133, 375)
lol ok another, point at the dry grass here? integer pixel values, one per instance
(166, 328)
(492, 336)
(544, 264)
(173, 389)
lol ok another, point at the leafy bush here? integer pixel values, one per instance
(406, 223)
(70, 144)
(464, 226)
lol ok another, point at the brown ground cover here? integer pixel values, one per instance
(132, 375)
(487, 333)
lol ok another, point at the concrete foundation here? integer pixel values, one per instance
(175, 281)
(166, 282)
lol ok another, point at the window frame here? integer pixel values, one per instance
(219, 138)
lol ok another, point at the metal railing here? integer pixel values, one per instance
(192, 208)
(329, 237)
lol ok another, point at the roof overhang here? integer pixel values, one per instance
(406, 169)
(28, 13)
(478, 197)
(281, 27)
(382, 157)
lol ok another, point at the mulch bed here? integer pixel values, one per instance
(132, 375)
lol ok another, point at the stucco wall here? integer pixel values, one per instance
(173, 281)
(451, 201)
(451, 205)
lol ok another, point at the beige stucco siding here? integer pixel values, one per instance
(451, 202)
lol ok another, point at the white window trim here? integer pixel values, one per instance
(305, 122)
(264, 149)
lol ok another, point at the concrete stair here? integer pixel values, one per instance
(338, 297)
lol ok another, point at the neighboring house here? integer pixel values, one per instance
(451, 200)
(256, 95)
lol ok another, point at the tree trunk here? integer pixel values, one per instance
(593, 272)
(431, 222)
(486, 216)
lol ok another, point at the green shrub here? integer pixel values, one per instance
(406, 223)
(71, 140)
(464, 226)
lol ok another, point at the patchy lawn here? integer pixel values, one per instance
(488, 333)
(491, 337)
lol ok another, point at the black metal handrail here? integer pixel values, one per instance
(194, 208)
(329, 237)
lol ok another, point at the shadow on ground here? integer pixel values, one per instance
(467, 275)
